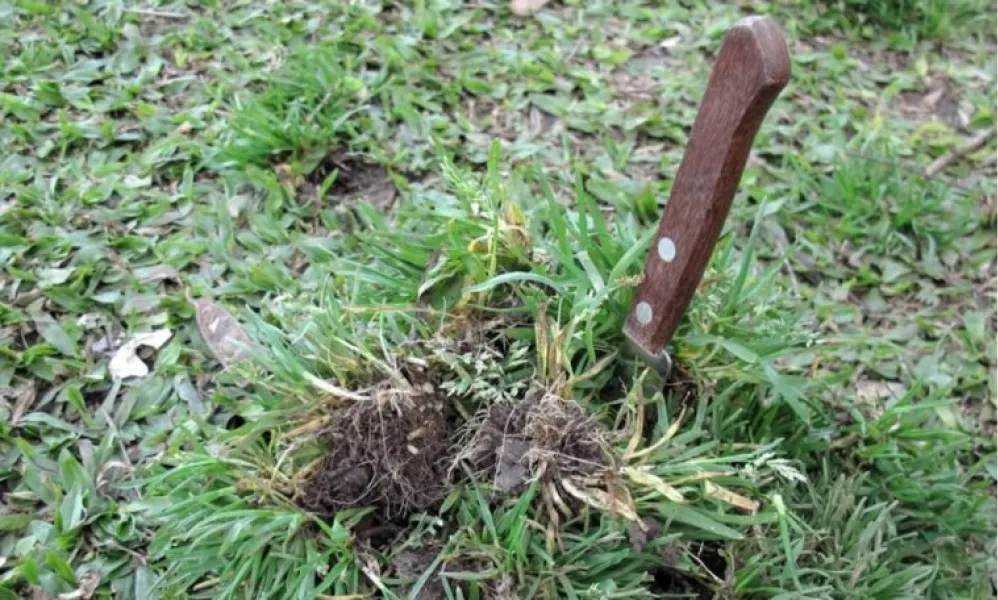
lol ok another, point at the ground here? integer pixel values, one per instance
(324, 300)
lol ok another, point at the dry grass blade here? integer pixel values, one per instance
(725, 495)
(602, 500)
(654, 482)
(668, 435)
(333, 390)
(698, 477)
(639, 418)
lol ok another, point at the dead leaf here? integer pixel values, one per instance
(226, 338)
(156, 273)
(126, 363)
(672, 42)
(88, 584)
(640, 536)
(728, 497)
(618, 504)
(872, 391)
(931, 99)
(24, 397)
(524, 8)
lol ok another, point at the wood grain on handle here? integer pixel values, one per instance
(751, 70)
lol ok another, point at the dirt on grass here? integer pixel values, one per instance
(542, 436)
(391, 452)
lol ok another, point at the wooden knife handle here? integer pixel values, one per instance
(751, 70)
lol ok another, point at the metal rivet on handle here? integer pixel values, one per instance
(666, 249)
(643, 312)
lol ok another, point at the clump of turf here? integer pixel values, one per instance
(390, 451)
(541, 436)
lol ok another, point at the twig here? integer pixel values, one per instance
(903, 167)
(159, 14)
(945, 160)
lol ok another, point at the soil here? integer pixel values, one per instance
(410, 563)
(356, 177)
(672, 581)
(680, 390)
(395, 451)
(681, 385)
(391, 452)
(939, 100)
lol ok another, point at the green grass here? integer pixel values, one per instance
(837, 364)
(931, 20)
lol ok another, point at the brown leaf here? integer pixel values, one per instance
(23, 396)
(88, 584)
(157, 273)
(225, 337)
(640, 536)
(872, 391)
(523, 8)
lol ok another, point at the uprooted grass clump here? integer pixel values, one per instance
(541, 437)
(390, 451)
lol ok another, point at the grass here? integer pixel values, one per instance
(358, 185)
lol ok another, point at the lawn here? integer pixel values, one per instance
(309, 299)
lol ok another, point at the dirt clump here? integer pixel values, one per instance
(541, 436)
(391, 451)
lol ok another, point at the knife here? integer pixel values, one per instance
(752, 68)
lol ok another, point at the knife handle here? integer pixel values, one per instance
(752, 68)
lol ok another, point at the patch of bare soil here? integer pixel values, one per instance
(673, 581)
(410, 563)
(394, 450)
(356, 178)
(391, 452)
(542, 436)
(939, 100)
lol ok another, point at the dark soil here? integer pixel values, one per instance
(410, 563)
(671, 581)
(391, 452)
(356, 177)
(680, 390)
(681, 386)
